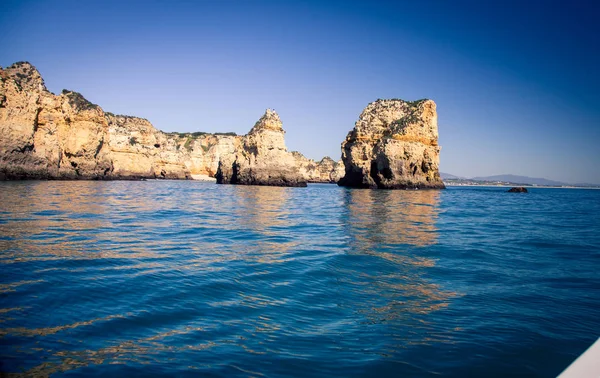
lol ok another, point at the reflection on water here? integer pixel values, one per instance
(224, 280)
(262, 208)
(186, 278)
(393, 216)
(5, 288)
(51, 330)
(264, 212)
(385, 225)
(75, 220)
(141, 351)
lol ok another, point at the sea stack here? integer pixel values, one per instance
(394, 145)
(261, 158)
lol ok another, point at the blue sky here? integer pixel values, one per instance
(516, 82)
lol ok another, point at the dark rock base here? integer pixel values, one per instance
(21, 175)
(363, 182)
(295, 184)
(272, 177)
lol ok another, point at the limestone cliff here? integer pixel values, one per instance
(202, 151)
(136, 149)
(64, 136)
(394, 145)
(260, 157)
(324, 171)
(43, 135)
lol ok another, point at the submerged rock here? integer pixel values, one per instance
(260, 157)
(394, 145)
(517, 189)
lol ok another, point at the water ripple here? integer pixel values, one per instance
(188, 278)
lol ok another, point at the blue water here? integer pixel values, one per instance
(183, 278)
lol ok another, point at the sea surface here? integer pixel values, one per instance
(184, 278)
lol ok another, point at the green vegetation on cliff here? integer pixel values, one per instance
(77, 100)
(197, 134)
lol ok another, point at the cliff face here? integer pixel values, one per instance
(324, 171)
(394, 145)
(202, 153)
(136, 149)
(43, 135)
(260, 157)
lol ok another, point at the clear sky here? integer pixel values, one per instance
(517, 83)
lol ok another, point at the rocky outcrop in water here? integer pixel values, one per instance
(394, 145)
(518, 189)
(324, 171)
(260, 157)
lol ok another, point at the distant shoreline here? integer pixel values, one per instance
(523, 185)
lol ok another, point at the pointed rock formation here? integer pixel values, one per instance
(394, 145)
(260, 157)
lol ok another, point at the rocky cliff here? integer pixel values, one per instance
(64, 136)
(260, 157)
(394, 145)
(324, 171)
(43, 135)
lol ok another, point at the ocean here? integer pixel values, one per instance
(186, 278)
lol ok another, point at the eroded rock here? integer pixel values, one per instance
(394, 145)
(324, 171)
(261, 157)
(43, 135)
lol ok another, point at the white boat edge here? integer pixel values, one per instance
(586, 365)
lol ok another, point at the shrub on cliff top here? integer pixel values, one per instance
(197, 134)
(230, 133)
(77, 100)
